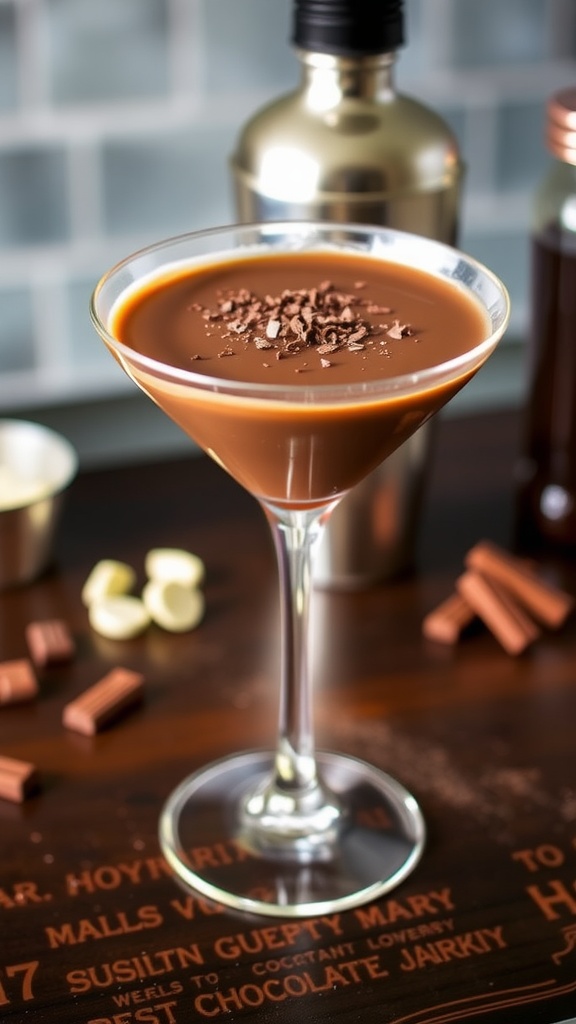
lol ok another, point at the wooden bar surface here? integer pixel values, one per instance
(94, 930)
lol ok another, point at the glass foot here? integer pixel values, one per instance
(378, 843)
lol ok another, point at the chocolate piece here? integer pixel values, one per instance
(175, 565)
(107, 578)
(447, 621)
(117, 692)
(514, 630)
(18, 682)
(18, 779)
(119, 617)
(50, 642)
(174, 606)
(549, 605)
(316, 317)
(399, 331)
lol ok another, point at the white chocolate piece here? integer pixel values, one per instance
(119, 617)
(108, 578)
(173, 565)
(172, 605)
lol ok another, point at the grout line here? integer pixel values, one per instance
(437, 29)
(87, 123)
(33, 47)
(185, 51)
(480, 146)
(85, 190)
(38, 122)
(48, 309)
(561, 24)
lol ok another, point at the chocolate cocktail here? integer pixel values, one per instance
(298, 356)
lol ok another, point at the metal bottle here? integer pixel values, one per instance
(346, 146)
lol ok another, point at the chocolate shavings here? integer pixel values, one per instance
(323, 319)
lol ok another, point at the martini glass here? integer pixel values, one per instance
(312, 831)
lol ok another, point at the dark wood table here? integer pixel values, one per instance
(92, 926)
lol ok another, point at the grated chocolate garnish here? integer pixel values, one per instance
(399, 330)
(323, 319)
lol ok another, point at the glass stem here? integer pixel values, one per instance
(294, 536)
(293, 806)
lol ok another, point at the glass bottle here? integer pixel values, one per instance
(547, 468)
(345, 145)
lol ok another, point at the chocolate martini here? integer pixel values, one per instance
(298, 356)
(303, 323)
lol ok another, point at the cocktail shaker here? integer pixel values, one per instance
(346, 146)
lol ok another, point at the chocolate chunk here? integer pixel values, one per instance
(50, 642)
(117, 692)
(321, 317)
(18, 779)
(18, 682)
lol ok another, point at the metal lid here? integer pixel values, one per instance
(561, 125)
(348, 27)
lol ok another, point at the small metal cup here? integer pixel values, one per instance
(36, 467)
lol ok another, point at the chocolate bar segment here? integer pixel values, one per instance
(445, 623)
(116, 693)
(50, 642)
(549, 605)
(18, 779)
(18, 682)
(511, 626)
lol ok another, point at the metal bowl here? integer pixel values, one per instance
(36, 467)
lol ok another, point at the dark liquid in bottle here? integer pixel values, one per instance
(547, 493)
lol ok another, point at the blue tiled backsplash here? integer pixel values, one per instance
(117, 118)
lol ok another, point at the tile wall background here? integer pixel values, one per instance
(116, 121)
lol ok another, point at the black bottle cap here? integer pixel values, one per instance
(348, 27)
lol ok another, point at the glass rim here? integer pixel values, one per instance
(302, 392)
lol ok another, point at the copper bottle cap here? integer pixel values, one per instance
(561, 125)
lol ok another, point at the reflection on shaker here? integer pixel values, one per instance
(373, 532)
(345, 146)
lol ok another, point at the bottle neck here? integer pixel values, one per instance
(327, 78)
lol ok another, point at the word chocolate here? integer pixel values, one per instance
(18, 779)
(117, 692)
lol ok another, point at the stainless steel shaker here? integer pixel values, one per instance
(345, 146)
